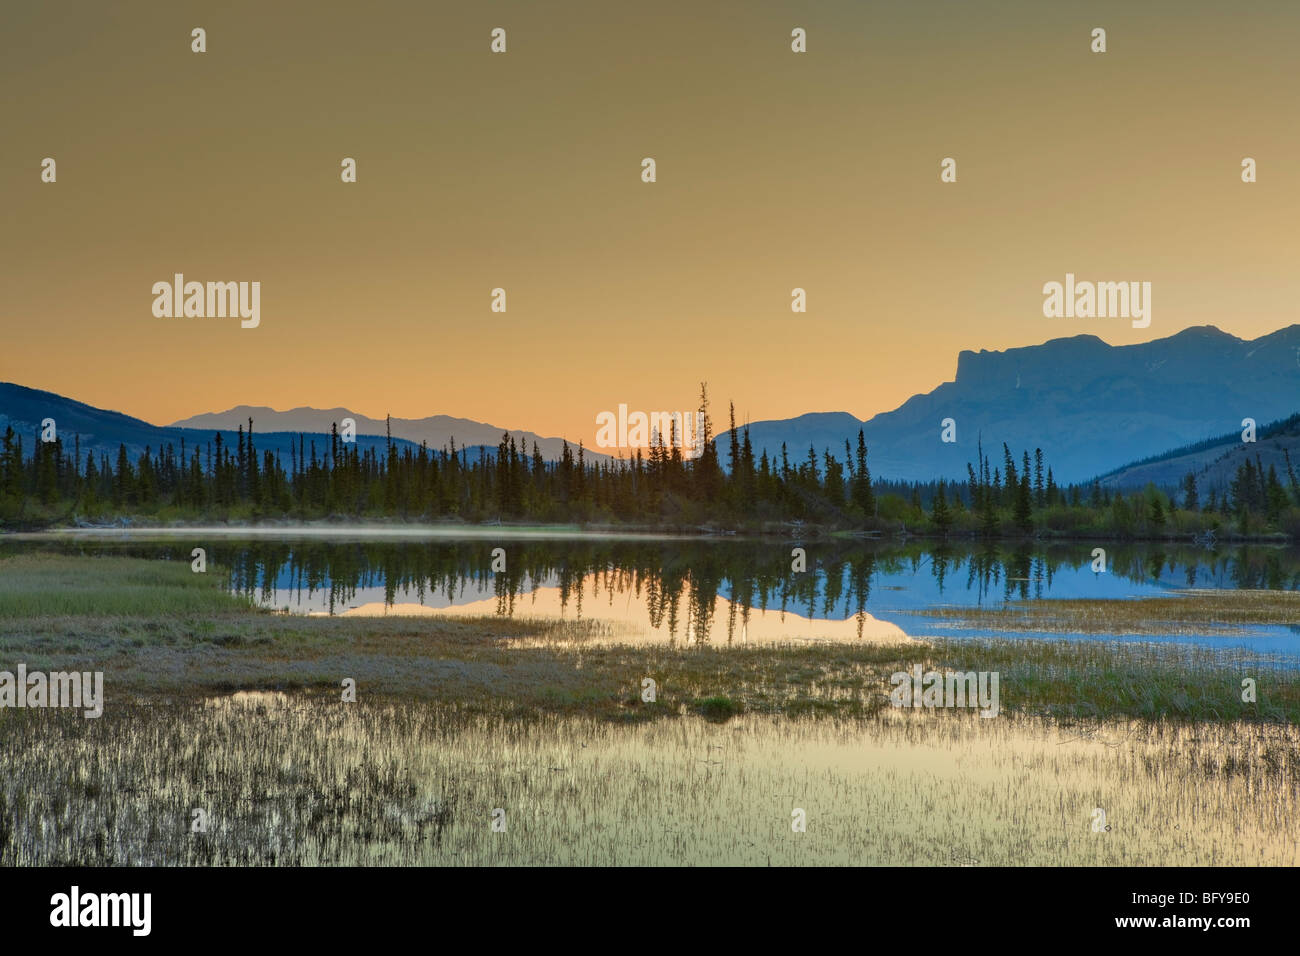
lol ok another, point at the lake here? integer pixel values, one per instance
(719, 590)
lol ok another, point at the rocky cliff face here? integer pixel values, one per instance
(1090, 406)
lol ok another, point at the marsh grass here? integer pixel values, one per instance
(287, 781)
(543, 718)
(1191, 612)
(50, 585)
(1122, 679)
(718, 708)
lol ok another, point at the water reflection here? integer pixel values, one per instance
(725, 620)
(730, 591)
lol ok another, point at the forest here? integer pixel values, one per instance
(50, 483)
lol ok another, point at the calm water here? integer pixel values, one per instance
(721, 591)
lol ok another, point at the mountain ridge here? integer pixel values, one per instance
(1091, 406)
(1094, 409)
(437, 431)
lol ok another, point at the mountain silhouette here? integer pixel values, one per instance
(437, 430)
(104, 431)
(1091, 407)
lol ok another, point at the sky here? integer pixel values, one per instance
(523, 171)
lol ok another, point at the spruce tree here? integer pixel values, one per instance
(939, 510)
(863, 494)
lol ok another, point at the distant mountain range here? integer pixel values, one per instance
(104, 431)
(437, 430)
(1094, 409)
(1091, 407)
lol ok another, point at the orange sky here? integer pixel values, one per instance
(522, 171)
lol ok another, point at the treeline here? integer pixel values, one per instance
(1018, 499)
(833, 488)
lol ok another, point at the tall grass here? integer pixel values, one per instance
(286, 781)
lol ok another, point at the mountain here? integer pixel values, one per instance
(1214, 461)
(104, 431)
(1091, 407)
(1094, 409)
(437, 430)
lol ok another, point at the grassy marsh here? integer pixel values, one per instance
(290, 781)
(1191, 611)
(215, 704)
(163, 634)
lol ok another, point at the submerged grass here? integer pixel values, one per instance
(288, 781)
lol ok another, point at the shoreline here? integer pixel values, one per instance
(379, 527)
